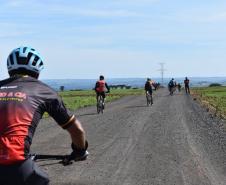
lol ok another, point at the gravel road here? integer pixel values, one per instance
(173, 142)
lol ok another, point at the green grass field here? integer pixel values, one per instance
(78, 99)
(215, 96)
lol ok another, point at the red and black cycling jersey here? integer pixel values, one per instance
(100, 86)
(23, 101)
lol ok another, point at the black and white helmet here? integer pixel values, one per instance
(25, 58)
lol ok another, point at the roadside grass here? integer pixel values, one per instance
(83, 98)
(215, 96)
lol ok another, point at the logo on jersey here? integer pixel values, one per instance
(13, 96)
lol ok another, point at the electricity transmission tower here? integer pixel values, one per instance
(162, 70)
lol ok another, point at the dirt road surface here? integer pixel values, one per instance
(173, 142)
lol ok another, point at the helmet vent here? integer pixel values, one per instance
(35, 61)
(41, 64)
(11, 59)
(21, 60)
(24, 49)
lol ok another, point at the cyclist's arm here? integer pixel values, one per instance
(67, 121)
(107, 87)
(77, 134)
(146, 87)
(96, 86)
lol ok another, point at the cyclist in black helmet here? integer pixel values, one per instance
(186, 85)
(148, 89)
(100, 88)
(23, 100)
(171, 86)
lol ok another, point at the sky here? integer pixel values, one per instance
(81, 39)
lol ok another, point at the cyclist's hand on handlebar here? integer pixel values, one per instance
(75, 148)
(78, 153)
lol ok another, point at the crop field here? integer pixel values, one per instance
(78, 99)
(215, 96)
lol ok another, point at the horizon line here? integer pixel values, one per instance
(131, 78)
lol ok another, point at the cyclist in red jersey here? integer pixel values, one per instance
(100, 87)
(23, 101)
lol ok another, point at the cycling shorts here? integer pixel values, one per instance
(103, 94)
(150, 92)
(23, 173)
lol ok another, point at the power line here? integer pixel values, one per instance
(162, 70)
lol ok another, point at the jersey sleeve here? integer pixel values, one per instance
(96, 86)
(59, 112)
(106, 85)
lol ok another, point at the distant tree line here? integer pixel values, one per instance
(120, 87)
(215, 85)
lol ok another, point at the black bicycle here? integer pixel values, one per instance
(100, 104)
(171, 89)
(149, 98)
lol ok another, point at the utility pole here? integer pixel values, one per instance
(162, 69)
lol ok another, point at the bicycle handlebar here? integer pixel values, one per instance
(65, 159)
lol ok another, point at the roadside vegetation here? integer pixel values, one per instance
(214, 96)
(77, 99)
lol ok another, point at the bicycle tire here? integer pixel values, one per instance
(148, 99)
(100, 105)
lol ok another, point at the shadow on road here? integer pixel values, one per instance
(137, 106)
(87, 114)
(85, 182)
(168, 95)
(48, 164)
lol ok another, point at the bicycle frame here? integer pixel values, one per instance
(149, 98)
(100, 105)
(172, 90)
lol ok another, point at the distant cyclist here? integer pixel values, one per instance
(23, 101)
(171, 86)
(100, 88)
(179, 87)
(186, 85)
(148, 88)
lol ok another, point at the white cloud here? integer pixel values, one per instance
(135, 2)
(67, 9)
(85, 63)
(93, 12)
(198, 16)
(17, 3)
(12, 30)
(11, 35)
(218, 17)
(206, 18)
